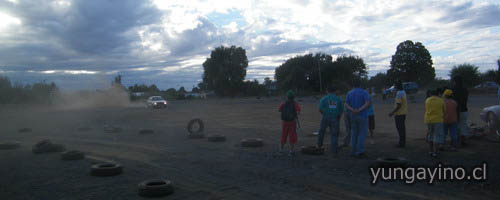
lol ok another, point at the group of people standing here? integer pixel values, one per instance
(358, 117)
(445, 112)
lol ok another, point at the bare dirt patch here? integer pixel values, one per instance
(204, 170)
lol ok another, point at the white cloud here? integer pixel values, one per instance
(175, 37)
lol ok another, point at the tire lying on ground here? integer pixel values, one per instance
(146, 131)
(72, 155)
(312, 150)
(46, 146)
(9, 145)
(252, 142)
(216, 138)
(25, 130)
(106, 169)
(191, 126)
(155, 188)
(391, 162)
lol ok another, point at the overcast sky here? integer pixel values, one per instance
(82, 44)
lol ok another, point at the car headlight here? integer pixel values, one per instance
(154, 103)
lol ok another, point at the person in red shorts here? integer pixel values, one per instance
(289, 112)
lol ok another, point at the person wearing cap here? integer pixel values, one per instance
(289, 113)
(433, 118)
(331, 108)
(450, 118)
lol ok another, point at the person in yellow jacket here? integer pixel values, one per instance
(434, 113)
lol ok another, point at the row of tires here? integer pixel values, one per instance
(195, 128)
(149, 188)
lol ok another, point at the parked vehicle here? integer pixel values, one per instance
(487, 85)
(390, 90)
(409, 87)
(156, 102)
(490, 116)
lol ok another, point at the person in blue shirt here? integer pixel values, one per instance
(358, 101)
(347, 125)
(331, 108)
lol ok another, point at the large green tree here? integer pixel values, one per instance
(348, 67)
(469, 73)
(225, 70)
(303, 72)
(412, 62)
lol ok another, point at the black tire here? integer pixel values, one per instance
(391, 162)
(155, 188)
(72, 155)
(25, 130)
(312, 150)
(146, 131)
(9, 145)
(106, 169)
(216, 138)
(192, 123)
(252, 142)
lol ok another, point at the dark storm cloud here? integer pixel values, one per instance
(86, 30)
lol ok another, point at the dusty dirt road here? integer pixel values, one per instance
(206, 170)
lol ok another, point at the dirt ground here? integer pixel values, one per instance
(204, 170)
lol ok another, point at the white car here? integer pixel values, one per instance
(156, 102)
(491, 115)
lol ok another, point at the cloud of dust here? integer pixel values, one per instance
(115, 96)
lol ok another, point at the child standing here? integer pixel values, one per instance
(450, 118)
(289, 112)
(434, 114)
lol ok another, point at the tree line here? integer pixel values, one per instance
(18, 93)
(225, 71)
